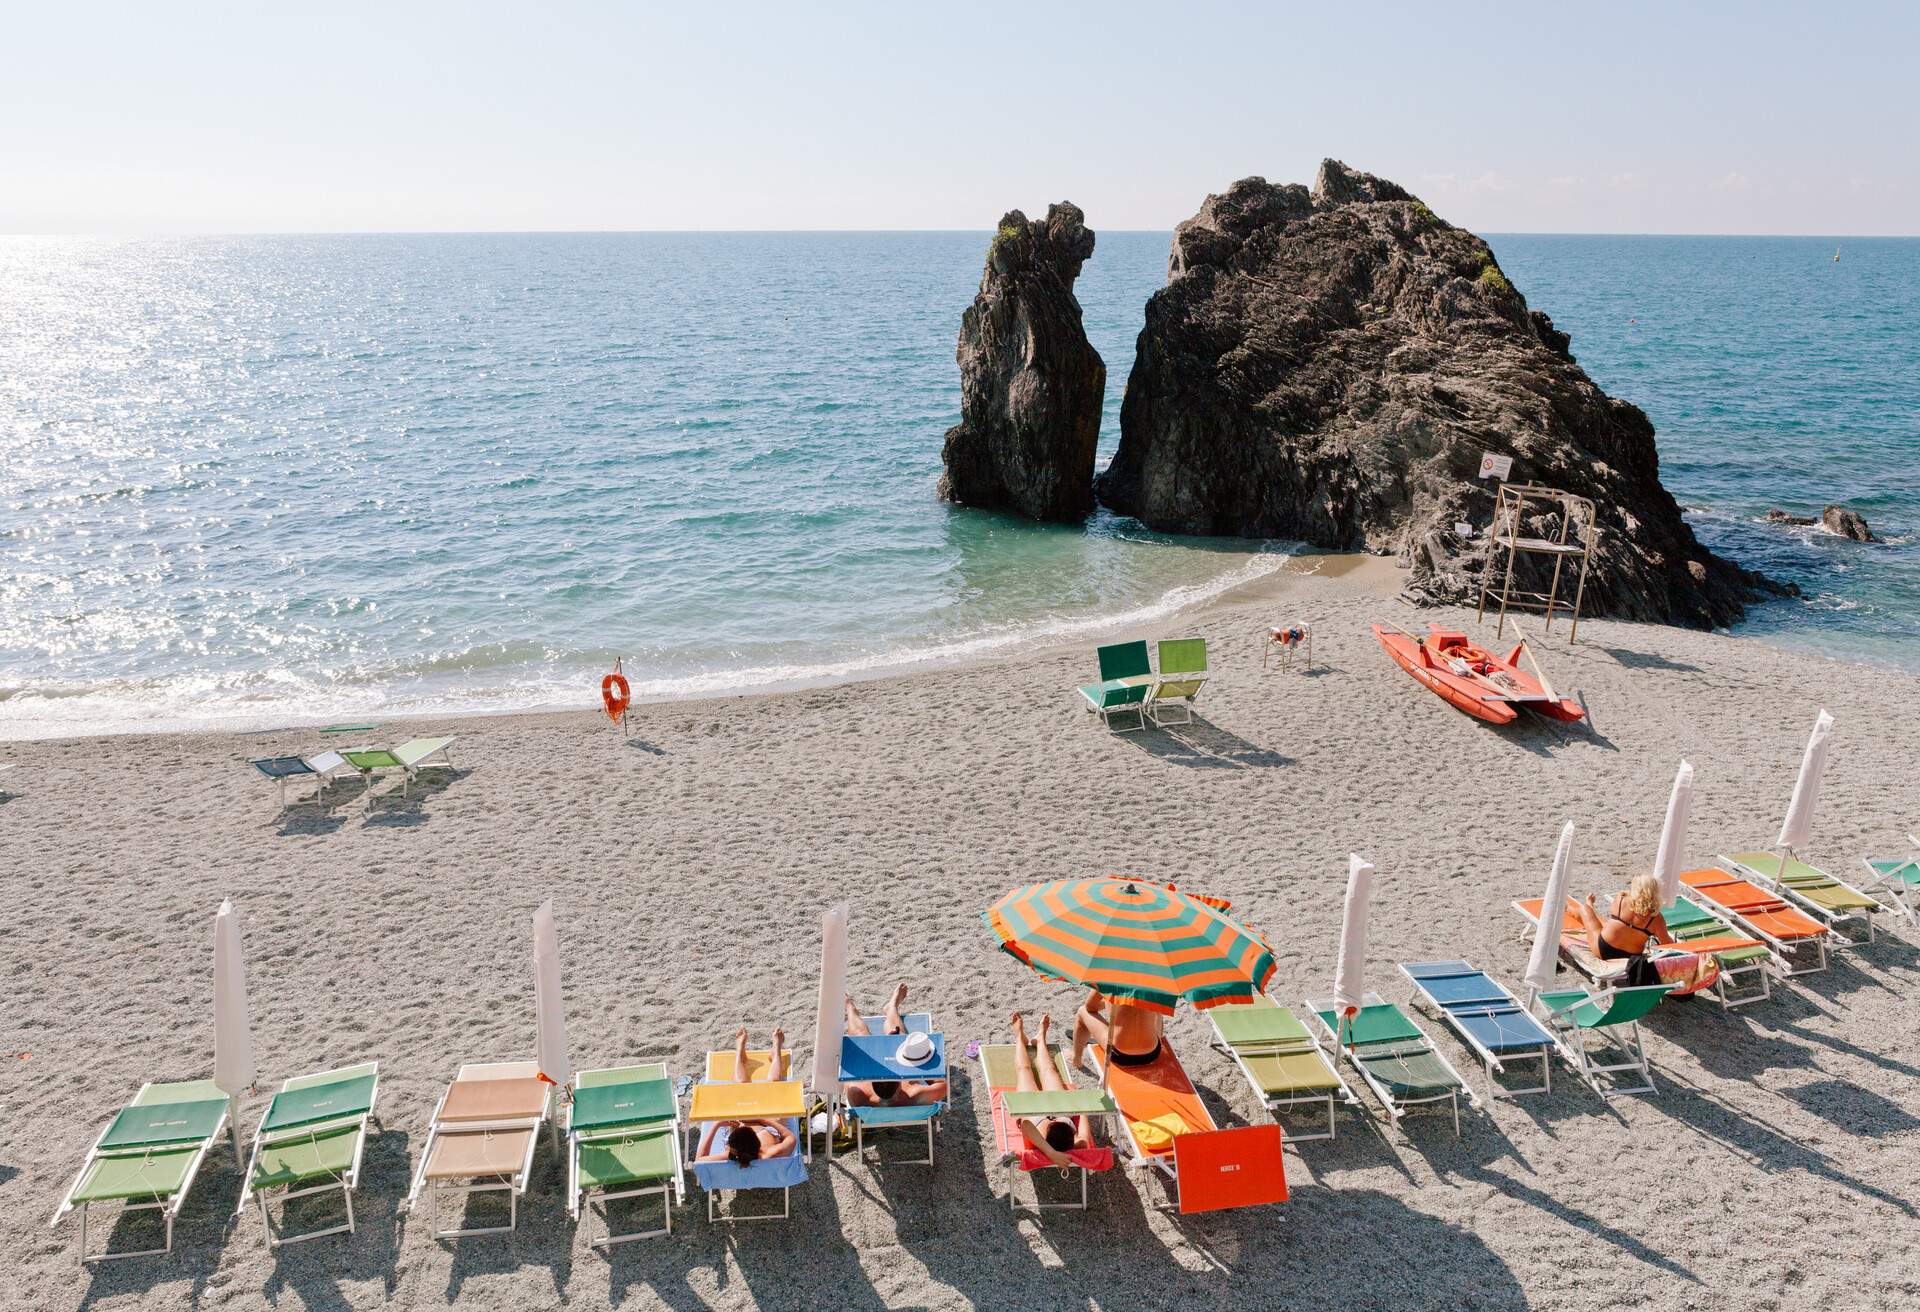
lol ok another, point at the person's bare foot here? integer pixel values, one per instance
(779, 1039)
(899, 995)
(740, 1038)
(1045, 1022)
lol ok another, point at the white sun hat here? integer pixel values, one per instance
(915, 1049)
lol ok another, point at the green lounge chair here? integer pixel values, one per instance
(1898, 880)
(1838, 905)
(1126, 677)
(147, 1157)
(1283, 1063)
(1395, 1057)
(1613, 1014)
(409, 757)
(623, 1141)
(310, 1141)
(1745, 973)
(1183, 672)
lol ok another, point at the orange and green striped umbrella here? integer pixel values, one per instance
(1148, 943)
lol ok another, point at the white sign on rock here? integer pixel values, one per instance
(1492, 466)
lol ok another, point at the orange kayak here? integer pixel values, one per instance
(1485, 686)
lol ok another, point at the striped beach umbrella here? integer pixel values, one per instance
(1148, 943)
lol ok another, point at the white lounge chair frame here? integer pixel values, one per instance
(1279, 1105)
(1396, 1106)
(168, 1208)
(1833, 920)
(1890, 895)
(513, 1186)
(345, 1184)
(673, 1192)
(1495, 1064)
(1583, 1060)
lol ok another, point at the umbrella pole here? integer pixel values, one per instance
(233, 1127)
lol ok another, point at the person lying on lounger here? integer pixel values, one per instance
(1132, 1036)
(1632, 923)
(1056, 1136)
(749, 1141)
(890, 1093)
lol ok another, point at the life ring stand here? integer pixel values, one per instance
(617, 694)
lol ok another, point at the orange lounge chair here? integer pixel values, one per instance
(1764, 915)
(1170, 1129)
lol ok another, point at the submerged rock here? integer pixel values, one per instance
(1847, 523)
(1031, 384)
(1790, 520)
(1332, 365)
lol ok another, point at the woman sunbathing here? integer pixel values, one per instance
(889, 1093)
(1632, 923)
(1056, 1136)
(1132, 1037)
(748, 1141)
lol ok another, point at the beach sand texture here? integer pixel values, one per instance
(1779, 1166)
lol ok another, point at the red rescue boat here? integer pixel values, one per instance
(1485, 686)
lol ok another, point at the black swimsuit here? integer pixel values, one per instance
(1608, 952)
(1136, 1059)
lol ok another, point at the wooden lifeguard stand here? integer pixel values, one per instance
(1571, 537)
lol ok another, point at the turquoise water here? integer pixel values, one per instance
(259, 480)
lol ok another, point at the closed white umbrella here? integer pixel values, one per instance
(1673, 836)
(830, 1021)
(233, 1069)
(1350, 966)
(1545, 957)
(1798, 826)
(550, 1009)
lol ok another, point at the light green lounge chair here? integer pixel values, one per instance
(310, 1141)
(1833, 902)
(1395, 1057)
(623, 1139)
(1183, 672)
(1612, 1014)
(1898, 881)
(409, 757)
(147, 1157)
(1126, 677)
(1283, 1063)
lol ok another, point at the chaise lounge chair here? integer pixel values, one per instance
(1395, 1057)
(1126, 677)
(1170, 1129)
(1788, 931)
(865, 1057)
(1008, 1107)
(282, 769)
(623, 1141)
(1283, 1063)
(147, 1157)
(1744, 961)
(310, 1141)
(1183, 672)
(409, 757)
(720, 1097)
(481, 1140)
(1488, 1019)
(1838, 905)
(1612, 1014)
(1897, 882)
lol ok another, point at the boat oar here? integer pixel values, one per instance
(1546, 684)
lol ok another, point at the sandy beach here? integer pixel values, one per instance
(689, 863)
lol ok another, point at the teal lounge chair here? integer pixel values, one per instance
(310, 1141)
(1395, 1057)
(409, 757)
(1126, 677)
(1613, 1014)
(147, 1157)
(623, 1140)
(1183, 672)
(1897, 882)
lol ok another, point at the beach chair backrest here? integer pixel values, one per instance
(1183, 656)
(1239, 1167)
(1124, 660)
(1625, 1006)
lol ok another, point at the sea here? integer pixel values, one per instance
(267, 480)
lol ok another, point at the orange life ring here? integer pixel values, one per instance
(617, 694)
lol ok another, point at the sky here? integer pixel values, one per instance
(602, 115)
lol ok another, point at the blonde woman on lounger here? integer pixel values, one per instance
(1632, 924)
(750, 1141)
(1131, 1037)
(890, 1093)
(1036, 1072)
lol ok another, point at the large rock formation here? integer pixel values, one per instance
(1331, 366)
(1030, 382)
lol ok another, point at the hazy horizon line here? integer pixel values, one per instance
(150, 234)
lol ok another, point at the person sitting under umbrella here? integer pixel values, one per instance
(1132, 1034)
(889, 1093)
(1055, 1136)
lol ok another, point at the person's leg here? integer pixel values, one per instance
(1048, 1072)
(856, 1023)
(894, 1024)
(1589, 918)
(740, 1055)
(776, 1067)
(1024, 1079)
(1089, 1026)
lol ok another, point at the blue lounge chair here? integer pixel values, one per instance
(868, 1057)
(1488, 1019)
(281, 769)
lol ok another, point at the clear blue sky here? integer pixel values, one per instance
(121, 117)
